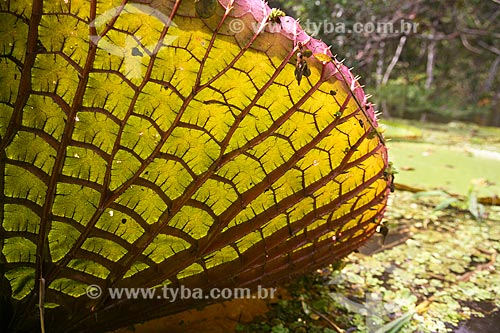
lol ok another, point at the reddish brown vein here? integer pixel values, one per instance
(25, 80)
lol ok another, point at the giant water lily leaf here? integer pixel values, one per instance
(167, 142)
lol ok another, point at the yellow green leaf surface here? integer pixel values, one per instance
(164, 142)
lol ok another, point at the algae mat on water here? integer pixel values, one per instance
(451, 168)
(455, 157)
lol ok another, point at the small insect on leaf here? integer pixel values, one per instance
(391, 169)
(392, 185)
(384, 231)
(276, 15)
(389, 173)
(205, 8)
(322, 57)
(301, 68)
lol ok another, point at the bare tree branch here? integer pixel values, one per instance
(489, 47)
(431, 52)
(492, 74)
(394, 60)
(477, 32)
(468, 46)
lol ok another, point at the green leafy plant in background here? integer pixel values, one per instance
(409, 98)
(156, 143)
(469, 203)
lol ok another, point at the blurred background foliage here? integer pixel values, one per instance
(445, 68)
